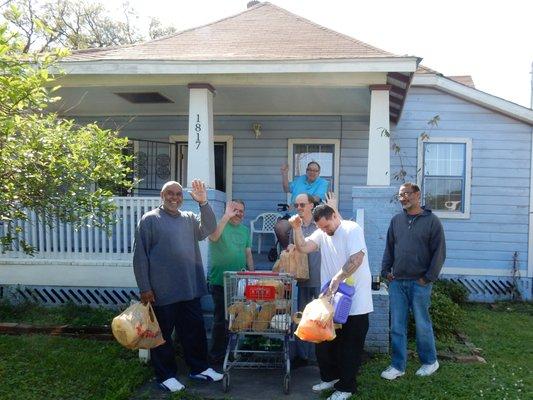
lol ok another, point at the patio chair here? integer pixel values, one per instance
(263, 223)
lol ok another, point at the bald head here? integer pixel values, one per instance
(170, 183)
(303, 203)
(172, 196)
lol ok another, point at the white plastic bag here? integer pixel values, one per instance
(137, 327)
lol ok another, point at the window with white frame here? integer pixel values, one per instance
(444, 166)
(323, 151)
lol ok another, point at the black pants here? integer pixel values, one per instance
(341, 358)
(186, 317)
(219, 333)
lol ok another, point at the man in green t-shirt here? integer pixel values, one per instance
(229, 250)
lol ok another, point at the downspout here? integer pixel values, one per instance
(530, 236)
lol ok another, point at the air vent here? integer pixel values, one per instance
(144, 97)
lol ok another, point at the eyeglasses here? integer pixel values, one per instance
(404, 194)
(296, 205)
(312, 170)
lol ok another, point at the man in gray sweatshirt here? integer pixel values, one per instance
(170, 275)
(414, 254)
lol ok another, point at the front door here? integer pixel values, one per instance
(220, 164)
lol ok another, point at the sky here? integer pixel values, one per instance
(490, 40)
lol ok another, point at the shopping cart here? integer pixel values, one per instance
(258, 304)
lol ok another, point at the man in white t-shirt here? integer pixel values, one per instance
(343, 258)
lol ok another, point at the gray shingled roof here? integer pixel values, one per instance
(263, 32)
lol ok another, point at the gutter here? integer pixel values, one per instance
(486, 100)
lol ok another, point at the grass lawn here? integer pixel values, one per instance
(506, 337)
(45, 367)
(40, 367)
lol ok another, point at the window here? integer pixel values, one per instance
(325, 152)
(444, 176)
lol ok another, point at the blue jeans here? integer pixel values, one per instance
(405, 295)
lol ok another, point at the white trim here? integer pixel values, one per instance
(530, 228)
(349, 79)
(232, 113)
(478, 271)
(476, 96)
(120, 67)
(378, 166)
(336, 155)
(228, 139)
(468, 171)
(62, 273)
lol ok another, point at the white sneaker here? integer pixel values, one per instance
(338, 395)
(428, 369)
(208, 375)
(319, 387)
(172, 385)
(391, 373)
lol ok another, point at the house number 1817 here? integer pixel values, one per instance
(198, 129)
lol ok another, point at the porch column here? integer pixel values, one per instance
(201, 149)
(378, 173)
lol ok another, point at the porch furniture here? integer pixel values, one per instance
(263, 223)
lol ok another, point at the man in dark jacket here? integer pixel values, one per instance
(413, 258)
(169, 272)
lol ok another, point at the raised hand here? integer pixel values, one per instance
(284, 168)
(331, 200)
(198, 192)
(231, 211)
(295, 221)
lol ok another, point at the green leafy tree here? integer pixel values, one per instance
(49, 164)
(76, 24)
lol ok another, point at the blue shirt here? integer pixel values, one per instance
(300, 185)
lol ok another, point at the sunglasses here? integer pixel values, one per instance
(296, 205)
(401, 195)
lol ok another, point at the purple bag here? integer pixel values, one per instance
(341, 301)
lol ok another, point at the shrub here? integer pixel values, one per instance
(447, 316)
(454, 290)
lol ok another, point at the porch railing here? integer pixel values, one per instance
(61, 240)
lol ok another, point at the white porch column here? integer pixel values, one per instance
(201, 149)
(378, 173)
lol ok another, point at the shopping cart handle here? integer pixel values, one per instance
(263, 273)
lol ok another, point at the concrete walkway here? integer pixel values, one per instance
(244, 385)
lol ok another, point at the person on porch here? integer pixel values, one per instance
(343, 256)
(309, 289)
(229, 250)
(414, 254)
(169, 273)
(310, 183)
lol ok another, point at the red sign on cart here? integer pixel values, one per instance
(260, 292)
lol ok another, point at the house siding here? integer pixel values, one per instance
(501, 156)
(256, 162)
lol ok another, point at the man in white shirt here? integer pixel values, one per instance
(343, 258)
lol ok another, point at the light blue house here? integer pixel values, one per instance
(231, 101)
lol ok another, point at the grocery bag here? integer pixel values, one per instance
(293, 262)
(137, 327)
(316, 325)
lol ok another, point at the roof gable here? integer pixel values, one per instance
(262, 32)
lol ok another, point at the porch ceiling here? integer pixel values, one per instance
(229, 100)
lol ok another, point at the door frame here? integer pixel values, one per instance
(228, 139)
